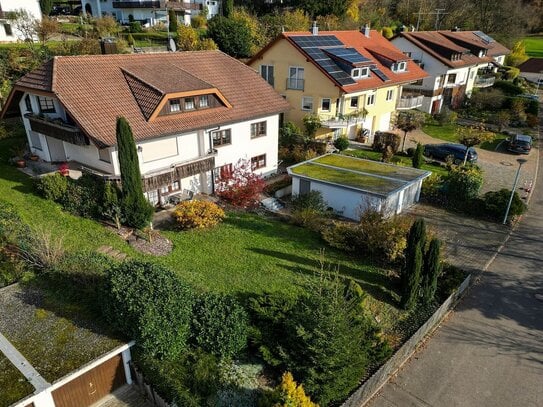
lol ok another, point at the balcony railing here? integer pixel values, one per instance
(180, 5)
(340, 121)
(482, 81)
(409, 101)
(136, 4)
(296, 84)
(58, 129)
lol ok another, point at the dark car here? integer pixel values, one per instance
(456, 152)
(520, 144)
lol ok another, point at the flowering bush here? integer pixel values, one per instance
(197, 214)
(240, 186)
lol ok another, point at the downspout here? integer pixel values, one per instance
(209, 131)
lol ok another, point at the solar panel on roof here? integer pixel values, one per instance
(486, 38)
(380, 74)
(350, 55)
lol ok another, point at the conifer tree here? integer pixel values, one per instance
(411, 285)
(136, 210)
(418, 159)
(172, 17)
(431, 271)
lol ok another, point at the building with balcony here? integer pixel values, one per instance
(193, 114)
(151, 12)
(457, 62)
(352, 79)
(8, 32)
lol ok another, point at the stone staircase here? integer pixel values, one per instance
(272, 204)
(111, 252)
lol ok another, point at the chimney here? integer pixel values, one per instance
(314, 28)
(366, 30)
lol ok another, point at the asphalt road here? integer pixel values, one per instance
(490, 350)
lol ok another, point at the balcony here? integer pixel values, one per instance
(179, 5)
(296, 84)
(484, 81)
(409, 101)
(136, 4)
(57, 129)
(341, 121)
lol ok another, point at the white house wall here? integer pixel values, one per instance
(31, 6)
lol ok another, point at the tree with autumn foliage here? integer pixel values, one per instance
(241, 186)
(471, 136)
(290, 394)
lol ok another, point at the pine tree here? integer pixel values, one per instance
(136, 210)
(411, 285)
(172, 17)
(431, 271)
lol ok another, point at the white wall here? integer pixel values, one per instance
(31, 6)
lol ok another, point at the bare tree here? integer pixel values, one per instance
(46, 28)
(24, 24)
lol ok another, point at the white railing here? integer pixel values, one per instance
(409, 102)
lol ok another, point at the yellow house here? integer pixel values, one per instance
(351, 79)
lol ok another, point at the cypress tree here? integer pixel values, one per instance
(431, 271)
(411, 283)
(228, 8)
(418, 159)
(417, 234)
(136, 210)
(172, 17)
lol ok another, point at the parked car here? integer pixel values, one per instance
(456, 152)
(520, 144)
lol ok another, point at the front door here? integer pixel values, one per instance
(56, 150)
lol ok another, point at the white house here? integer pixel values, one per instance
(9, 33)
(457, 62)
(150, 12)
(352, 185)
(193, 114)
(532, 70)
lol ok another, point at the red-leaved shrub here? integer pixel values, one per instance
(240, 186)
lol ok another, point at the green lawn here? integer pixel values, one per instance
(492, 145)
(446, 132)
(534, 45)
(403, 161)
(13, 385)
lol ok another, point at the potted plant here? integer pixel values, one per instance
(64, 169)
(34, 156)
(18, 156)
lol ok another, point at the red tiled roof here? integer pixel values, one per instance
(364, 45)
(434, 41)
(96, 89)
(533, 65)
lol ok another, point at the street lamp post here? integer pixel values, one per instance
(520, 162)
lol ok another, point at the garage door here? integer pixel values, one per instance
(91, 386)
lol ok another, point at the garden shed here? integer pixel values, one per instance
(352, 185)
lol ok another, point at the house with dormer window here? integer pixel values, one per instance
(192, 114)
(457, 62)
(353, 80)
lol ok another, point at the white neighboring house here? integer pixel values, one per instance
(9, 33)
(150, 12)
(193, 115)
(532, 70)
(457, 62)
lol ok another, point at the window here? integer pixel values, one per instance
(164, 190)
(360, 72)
(189, 103)
(471, 74)
(204, 101)
(224, 171)
(176, 186)
(175, 106)
(451, 78)
(35, 140)
(399, 66)
(258, 129)
(307, 103)
(28, 103)
(390, 94)
(354, 103)
(103, 155)
(8, 30)
(325, 104)
(418, 83)
(222, 137)
(295, 78)
(266, 71)
(46, 104)
(152, 196)
(370, 100)
(258, 162)
(407, 54)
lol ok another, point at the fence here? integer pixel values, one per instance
(152, 396)
(365, 392)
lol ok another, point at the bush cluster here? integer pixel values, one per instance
(197, 214)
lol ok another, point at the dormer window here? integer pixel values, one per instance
(482, 53)
(189, 103)
(204, 101)
(360, 73)
(175, 106)
(399, 66)
(456, 57)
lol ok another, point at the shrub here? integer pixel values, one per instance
(495, 204)
(410, 152)
(240, 187)
(463, 184)
(418, 158)
(219, 325)
(52, 187)
(149, 303)
(39, 249)
(432, 189)
(387, 32)
(312, 200)
(197, 214)
(290, 394)
(446, 116)
(341, 143)
(383, 139)
(508, 88)
(491, 99)
(277, 185)
(135, 27)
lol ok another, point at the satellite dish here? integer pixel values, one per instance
(171, 45)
